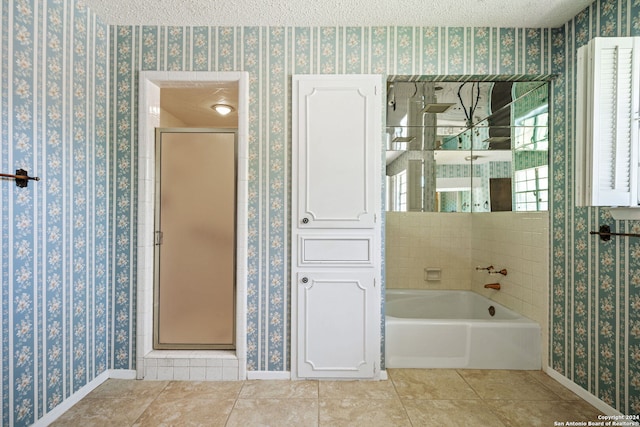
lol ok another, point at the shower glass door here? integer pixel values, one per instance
(195, 223)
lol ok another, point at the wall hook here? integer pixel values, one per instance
(605, 233)
(21, 176)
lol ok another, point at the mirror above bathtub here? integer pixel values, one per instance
(467, 146)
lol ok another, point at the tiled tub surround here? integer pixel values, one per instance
(458, 242)
(419, 240)
(518, 242)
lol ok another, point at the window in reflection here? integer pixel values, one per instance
(532, 189)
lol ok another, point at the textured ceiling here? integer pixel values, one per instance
(440, 13)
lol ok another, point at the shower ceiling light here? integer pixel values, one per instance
(222, 109)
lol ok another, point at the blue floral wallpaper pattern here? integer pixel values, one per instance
(271, 55)
(56, 296)
(69, 108)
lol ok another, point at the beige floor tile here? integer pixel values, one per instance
(357, 390)
(201, 390)
(542, 413)
(418, 397)
(126, 388)
(186, 413)
(117, 412)
(505, 384)
(553, 385)
(274, 389)
(430, 384)
(274, 412)
(369, 413)
(451, 413)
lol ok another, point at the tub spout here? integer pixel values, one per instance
(495, 286)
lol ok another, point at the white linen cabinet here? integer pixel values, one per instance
(336, 233)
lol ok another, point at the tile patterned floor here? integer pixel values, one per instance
(411, 397)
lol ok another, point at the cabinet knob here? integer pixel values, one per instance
(305, 220)
(305, 280)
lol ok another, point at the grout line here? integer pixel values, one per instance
(235, 402)
(467, 383)
(404, 408)
(150, 403)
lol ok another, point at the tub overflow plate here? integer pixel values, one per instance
(492, 310)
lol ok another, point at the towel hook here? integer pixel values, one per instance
(21, 176)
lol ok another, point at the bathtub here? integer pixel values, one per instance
(453, 329)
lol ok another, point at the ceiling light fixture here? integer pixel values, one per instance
(222, 109)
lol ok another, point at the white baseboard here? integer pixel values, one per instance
(268, 375)
(50, 417)
(122, 374)
(584, 394)
(56, 412)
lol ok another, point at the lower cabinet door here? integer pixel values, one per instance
(338, 328)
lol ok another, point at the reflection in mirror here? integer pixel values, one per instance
(467, 146)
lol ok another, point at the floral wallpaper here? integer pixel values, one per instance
(56, 297)
(595, 322)
(69, 108)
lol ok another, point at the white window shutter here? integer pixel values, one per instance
(608, 105)
(582, 172)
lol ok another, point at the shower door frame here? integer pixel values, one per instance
(156, 269)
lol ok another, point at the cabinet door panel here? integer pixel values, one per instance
(336, 130)
(337, 324)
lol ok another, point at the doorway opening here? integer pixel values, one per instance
(153, 113)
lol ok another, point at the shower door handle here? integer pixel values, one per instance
(159, 238)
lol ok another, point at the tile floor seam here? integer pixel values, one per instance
(468, 384)
(150, 403)
(318, 406)
(544, 385)
(235, 402)
(482, 399)
(404, 408)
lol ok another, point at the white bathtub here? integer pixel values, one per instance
(453, 329)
